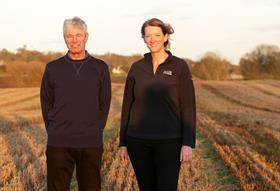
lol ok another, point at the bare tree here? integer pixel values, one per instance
(262, 63)
(25, 74)
(212, 67)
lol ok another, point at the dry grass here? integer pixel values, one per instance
(237, 148)
(246, 137)
(266, 88)
(245, 95)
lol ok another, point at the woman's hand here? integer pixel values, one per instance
(123, 154)
(186, 153)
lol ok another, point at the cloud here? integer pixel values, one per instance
(53, 41)
(164, 9)
(269, 28)
(150, 13)
(183, 18)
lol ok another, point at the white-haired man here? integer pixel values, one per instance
(75, 100)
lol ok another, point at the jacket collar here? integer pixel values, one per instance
(148, 57)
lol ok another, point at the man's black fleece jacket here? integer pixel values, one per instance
(159, 106)
(75, 101)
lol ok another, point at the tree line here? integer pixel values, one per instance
(25, 67)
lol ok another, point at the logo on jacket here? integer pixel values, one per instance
(167, 72)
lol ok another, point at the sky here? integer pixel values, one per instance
(230, 28)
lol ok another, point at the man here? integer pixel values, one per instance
(75, 100)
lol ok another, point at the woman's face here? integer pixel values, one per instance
(154, 38)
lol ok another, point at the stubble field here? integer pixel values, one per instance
(238, 145)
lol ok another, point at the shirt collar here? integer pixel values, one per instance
(68, 58)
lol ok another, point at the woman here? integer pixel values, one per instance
(158, 113)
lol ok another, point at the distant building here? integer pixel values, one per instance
(117, 70)
(2, 63)
(235, 73)
(236, 76)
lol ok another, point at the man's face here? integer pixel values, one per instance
(75, 39)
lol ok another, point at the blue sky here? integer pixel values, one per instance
(230, 28)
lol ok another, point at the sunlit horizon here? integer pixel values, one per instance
(229, 28)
